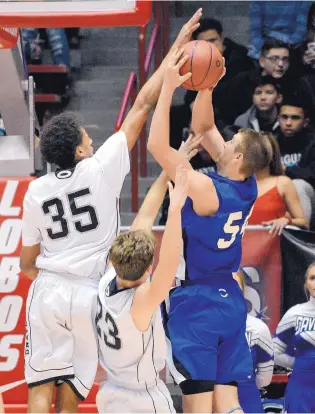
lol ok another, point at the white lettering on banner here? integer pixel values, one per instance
(10, 305)
(10, 235)
(11, 354)
(10, 309)
(6, 202)
(9, 274)
(251, 293)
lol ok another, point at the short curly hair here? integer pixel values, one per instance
(59, 139)
(132, 253)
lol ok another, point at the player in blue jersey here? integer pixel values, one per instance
(207, 311)
(261, 348)
(296, 331)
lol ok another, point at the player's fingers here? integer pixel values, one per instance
(182, 61)
(170, 187)
(195, 17)
(192, 154)
(197, 139)
(185, 77)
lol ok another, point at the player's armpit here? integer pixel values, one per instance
(28, 258)
(201, 188)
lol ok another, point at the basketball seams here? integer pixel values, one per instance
(209, 66)
(191, 65)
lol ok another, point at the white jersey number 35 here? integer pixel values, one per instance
(233, 229)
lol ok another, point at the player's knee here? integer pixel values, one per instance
(191, 386)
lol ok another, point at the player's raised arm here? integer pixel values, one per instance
(201, 188)
(154, 199)
(149, 94)
(149, 296)
(203, 123)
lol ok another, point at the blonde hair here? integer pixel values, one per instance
(132, 253)
(307, 293)
(240, 278)
(256, 150)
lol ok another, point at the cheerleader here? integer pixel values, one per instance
(261, 347)
(296, 330)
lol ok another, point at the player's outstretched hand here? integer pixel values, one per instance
(190, 147)
(187, 30)
(172, 77)
(178, 194)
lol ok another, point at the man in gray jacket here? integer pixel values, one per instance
(263, 114)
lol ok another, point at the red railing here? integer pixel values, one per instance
(159, 45)
(129, 97)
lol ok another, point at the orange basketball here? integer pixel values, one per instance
(205, 63)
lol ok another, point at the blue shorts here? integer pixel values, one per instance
(249, 397)
(205, 328)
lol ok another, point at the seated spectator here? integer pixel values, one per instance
(235, 55)
(277, 197)
(296, 140)
(280, 20)
(235, 96)
(263, 114)
(58, 42)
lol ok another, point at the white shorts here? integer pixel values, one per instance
(61, 340)
(113, 399)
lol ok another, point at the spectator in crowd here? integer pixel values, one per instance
(281, 20)
(235, 55)
(261, 347)
(277, 204)
(58, 42)
(295, 332)
(263, 114)
(296, 139)
(306, 52)
(235, 96)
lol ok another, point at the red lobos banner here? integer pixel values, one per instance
(13, 291)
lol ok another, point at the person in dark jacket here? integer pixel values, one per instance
(296, 140)
(263, 114)
(234, 96)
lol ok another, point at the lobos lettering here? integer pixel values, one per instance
(13, 286)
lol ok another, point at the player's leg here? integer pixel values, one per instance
(226, 399)
(85, 349)
(49, 344)
(234, 363)
(192, 340)
(40, 398)
(67, 400)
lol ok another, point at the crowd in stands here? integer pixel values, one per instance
(269, 87)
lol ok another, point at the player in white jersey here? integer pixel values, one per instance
(131, 336)
(261, 347)
(294, 345)
(70, 220)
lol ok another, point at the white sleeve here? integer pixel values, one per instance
(283, 338)
(30, 231)
(113, 157)
(265, 356)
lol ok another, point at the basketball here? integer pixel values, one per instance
(205, 63)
